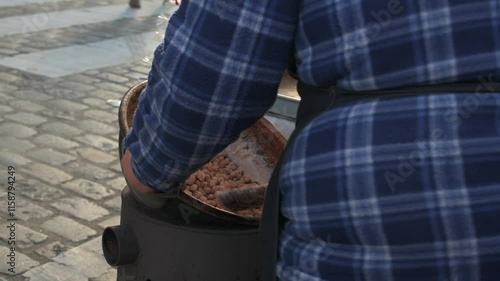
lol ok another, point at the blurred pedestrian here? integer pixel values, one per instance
(136, 4)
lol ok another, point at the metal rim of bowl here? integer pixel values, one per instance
(125, 122)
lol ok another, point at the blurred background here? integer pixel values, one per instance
(63, 66)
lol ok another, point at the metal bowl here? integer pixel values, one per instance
(262, 137)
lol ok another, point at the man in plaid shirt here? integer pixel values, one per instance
(384, 189)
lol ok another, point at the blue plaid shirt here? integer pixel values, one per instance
(218, 71)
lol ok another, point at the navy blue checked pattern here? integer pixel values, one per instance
(218, 71)
(399, 189)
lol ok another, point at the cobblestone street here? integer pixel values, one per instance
(59, 132)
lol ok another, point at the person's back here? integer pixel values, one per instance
(396, 188)
(376, 44)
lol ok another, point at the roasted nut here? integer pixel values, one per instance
(190, 180)
(219, 174)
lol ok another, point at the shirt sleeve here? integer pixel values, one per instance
(216, 73)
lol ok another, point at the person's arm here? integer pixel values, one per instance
(216, 74)
(126, 163)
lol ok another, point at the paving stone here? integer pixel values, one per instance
(16, 130)
(24, 236)
(116, 70)
(94, 245)
(142, 69)
(110, 275)
(4, 109)
(61, 129)
(27, 50)
(34, 83)
(53, 271)
(68, 229)
(101, 115)
(117, 184)
(9, 88)
(47, 173)
(25, 105)
(80, 208)
(66, 105)
(83, 262)
(92, 72)
(51, 157)
(26, 118)
(32, 95)
(30, 211)
(137, 76)
(89, 171)
(99, 142)
(23, 262)
(54, 141)
(7, 77)
(77, 86)
(94, 155)
(88, 189)
(117, 167)
(38, 191)
(108, 86)
(9, 158)
(115, 203)
(14, 144)
(51, 250)
(84, 79)
(105, 94)
(8, 52)
(65, 93)
(110, 222)
(96, 127)
(114, 78)
(34, 46)
(95, 102)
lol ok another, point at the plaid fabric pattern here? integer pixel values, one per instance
(219, 67)
(218, 71)
(395, 189)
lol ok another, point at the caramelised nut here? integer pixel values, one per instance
(207, 190)
(220, 174)
(190, 180)
(197, 194)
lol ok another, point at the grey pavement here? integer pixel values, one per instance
(59, 132)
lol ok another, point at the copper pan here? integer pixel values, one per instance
(262, 136)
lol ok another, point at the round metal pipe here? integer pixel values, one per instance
(119, 245)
